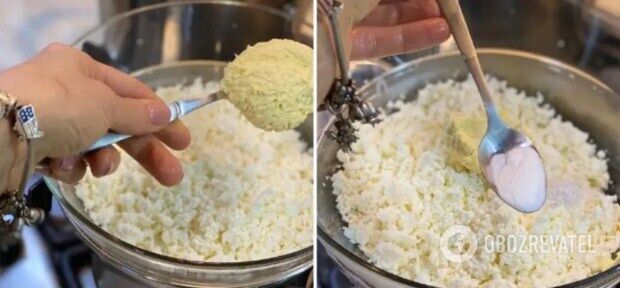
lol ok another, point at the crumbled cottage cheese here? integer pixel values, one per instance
(246, 193)
(398, 194)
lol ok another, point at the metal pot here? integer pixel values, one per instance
(577, 96)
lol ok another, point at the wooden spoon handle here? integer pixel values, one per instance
(454, 16)
(452, 11)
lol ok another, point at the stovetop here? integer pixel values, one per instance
(49, 255)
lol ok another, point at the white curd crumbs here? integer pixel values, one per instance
(246, 193)
(398, 194)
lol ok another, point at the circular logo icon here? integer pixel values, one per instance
(458, 244)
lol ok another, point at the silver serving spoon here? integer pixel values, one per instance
(178, 109)
(499, 138)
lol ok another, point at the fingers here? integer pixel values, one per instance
(390, 13)
(110, 100)
(373, 42)
(129, 115)
(131, 106)
(155, 158)
(67, 169)
(176, 135)
(137, 109)
(121, 83)
(72, 168)
(147, 150)
(104, 161)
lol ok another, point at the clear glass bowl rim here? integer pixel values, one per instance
(56, 189)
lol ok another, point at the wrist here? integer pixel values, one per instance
(12, 157)
(18, 127)
(12, 83)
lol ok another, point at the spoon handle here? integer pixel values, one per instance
(333, 9)
(454, 16)
(178, 109)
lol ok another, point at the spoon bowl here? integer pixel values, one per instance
(526, 194)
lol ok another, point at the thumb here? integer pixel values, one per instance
(137, 116)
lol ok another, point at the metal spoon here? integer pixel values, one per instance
(499, 138)
(178, 109)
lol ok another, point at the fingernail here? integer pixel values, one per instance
(68, 163)
(107, 171)
(159, 113)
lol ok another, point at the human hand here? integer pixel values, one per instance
(396, 27)
(78, 100)
(380, 28)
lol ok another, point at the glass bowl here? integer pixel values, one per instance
(164, 45)
(577, 96)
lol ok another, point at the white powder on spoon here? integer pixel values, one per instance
(519, 178)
